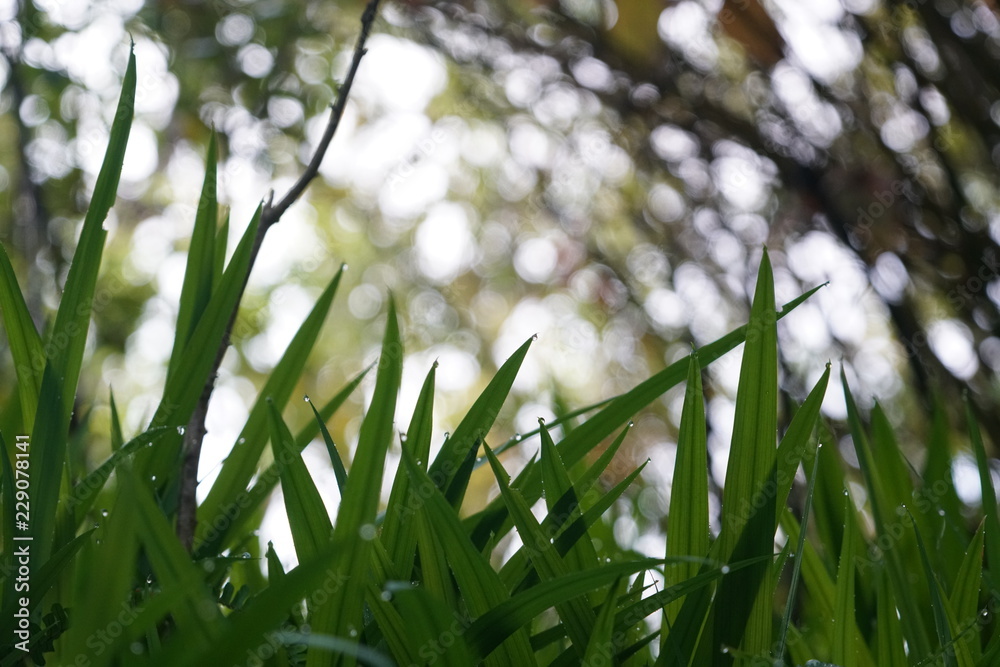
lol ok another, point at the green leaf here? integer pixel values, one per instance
(476, 423)
(307, 516)
(331, 447)
(795, 442)
(687, 519)
(26, 349)
(964, 599)
(434, 628)
(69, 333)
(891, 650)
(199, 274)
(341, 615)
(744, 601)
(844, 645)
(602, 646)
(398, 534)
(185, 385)
(941, 620)
(240, 466)
(576, 614)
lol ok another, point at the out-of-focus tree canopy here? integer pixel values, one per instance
(603, 174)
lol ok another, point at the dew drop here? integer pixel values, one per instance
(940, 512)
(517, 437)
(367, 532)
(97, 525)
(149, 578)
(534, 336)
(208, 566)
(245, 555)
(152, 478)
(180, 430)
(447, 435)
(136, 648)
(386, 595)
(630, 423)
(241, 441)
(724, 569)
(307, 399)
(352, 632)
(104, 512)
(541, 421)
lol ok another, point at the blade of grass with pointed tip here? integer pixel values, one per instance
(564, 505)
(481, 588)
(911, 612)
(786, 619)
(394, 628)
(307, 516)
(518, 565)
(246, 504)
(398, 534)
(184, 387)
(989, 496)
(687, 517)
(844, 645)
(221, 241)
(241, 464)
(964, 598)
(199, 273)
(748, 514)
(476, 423)
(795, 443)
(342, 614)
(331, 447)
(26, 350)
(941, 621)
(69, 332)
(576, 613)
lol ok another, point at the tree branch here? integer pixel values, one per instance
(194, 434)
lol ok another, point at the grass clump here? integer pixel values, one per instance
(884, 567)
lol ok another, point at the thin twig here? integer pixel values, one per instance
(194, 434)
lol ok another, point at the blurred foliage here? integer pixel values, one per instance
(601, 173)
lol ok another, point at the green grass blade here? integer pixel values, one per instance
(476, 423)
(481, 587)
(184, 387)
(989, 496)
(26, 349)
(941, 620)
(339, 471)
(223, 527)
(889, 641)
(687, 518)
(844, 645)
(564, 505)
(307, 516)
(69, 333)
(221, 241)
(196, 615)
(786, 619)
(744, 600)
(48, 453)
(964, 598)
(398, 534)
(794, 444)
(576, 614)
(394, 627)
(240, 466)
(199, 274)
(341, 615)
(602, 646)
